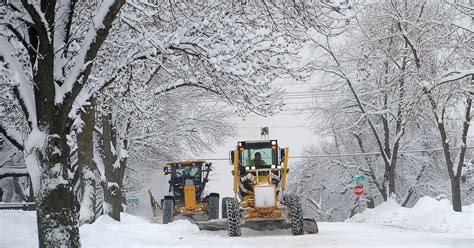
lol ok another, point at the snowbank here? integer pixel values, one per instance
(428, 214)
(18, 229)
(132, 230)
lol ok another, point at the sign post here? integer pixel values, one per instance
(133, 200)
(358, 178)
(358, 190)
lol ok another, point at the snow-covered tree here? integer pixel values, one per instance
(444, 64)
(371, 80)
(48, 49)
(377, 71)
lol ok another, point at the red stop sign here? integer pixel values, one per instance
(358, 190)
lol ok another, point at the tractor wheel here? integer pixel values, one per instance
(213, 206)
(295, 213)
(233, 218)
(224, 206)
(168, 211)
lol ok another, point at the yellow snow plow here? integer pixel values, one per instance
(186, 192)
(259, 181)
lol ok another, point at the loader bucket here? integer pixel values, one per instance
(310, 225)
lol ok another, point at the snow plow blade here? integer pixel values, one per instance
(310, 225)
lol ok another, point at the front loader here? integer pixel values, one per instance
(259, 181)
(186, 192)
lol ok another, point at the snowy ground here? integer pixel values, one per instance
(431, 223)
(135, 232)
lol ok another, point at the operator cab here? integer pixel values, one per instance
(181, 173)
(186, 173)
(258, 160)
(262, 154)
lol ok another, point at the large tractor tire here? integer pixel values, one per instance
(295, 208)
(224, 206)
(168, 206)
(213, 206)
(233, 218)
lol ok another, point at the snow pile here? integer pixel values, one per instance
(131, 231)
(428, 214)
(18, 229)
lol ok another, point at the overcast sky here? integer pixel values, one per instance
(290, 128)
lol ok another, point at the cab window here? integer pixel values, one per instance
(260, 158)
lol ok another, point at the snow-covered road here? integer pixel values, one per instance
(18, 229)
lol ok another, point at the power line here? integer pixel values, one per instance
(271, 127)
(296, 95)
(350, 154)
(375, 153)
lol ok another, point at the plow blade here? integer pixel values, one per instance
(310, 225)
(193, 218)
(212, 225)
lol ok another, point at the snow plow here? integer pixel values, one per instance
(186, 192)
(259, 177)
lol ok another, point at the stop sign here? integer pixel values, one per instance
(358, 190)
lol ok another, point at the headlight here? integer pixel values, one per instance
(247, 168)
(273, 166)
(253, 167)
(274, 142)
(279, 167)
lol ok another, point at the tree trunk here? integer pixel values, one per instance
(85, 146)
(456, 193)
(57, 215)
(114, 168)
(391, 182)
(392, 175)
(455, 183)
(453, 176)
(113, 198)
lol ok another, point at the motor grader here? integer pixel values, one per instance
(260, 203)
(186, 192)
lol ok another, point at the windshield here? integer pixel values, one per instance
(260, 158)
(188, 171)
